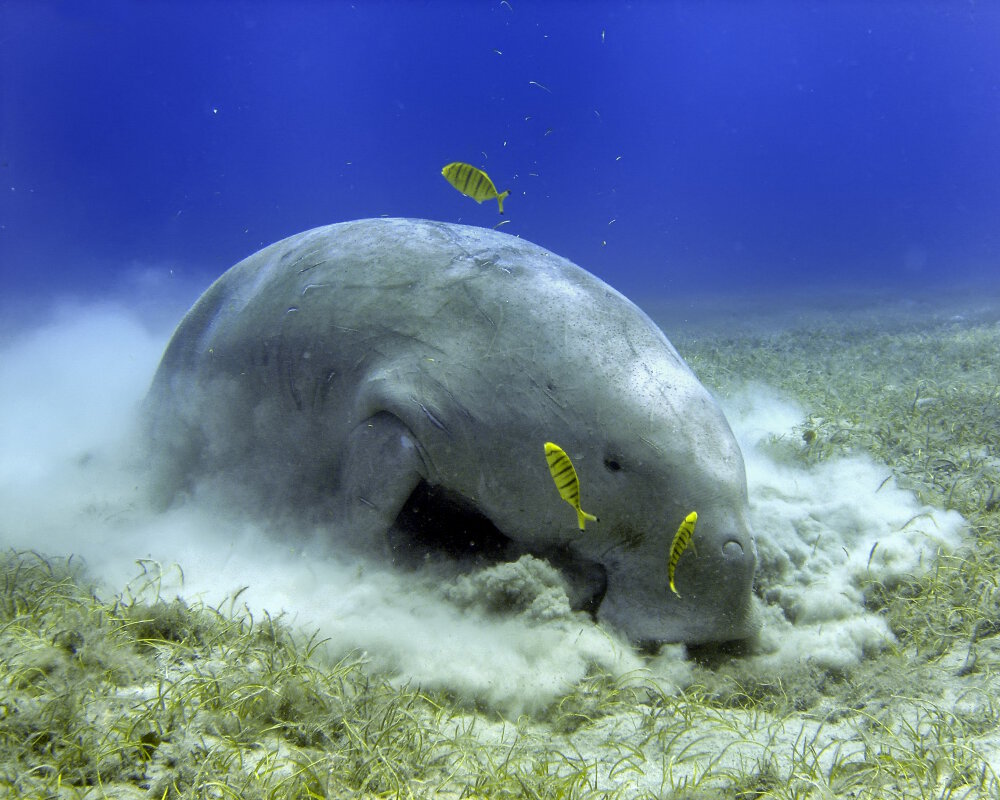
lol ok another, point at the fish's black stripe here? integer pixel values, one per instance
(562, 471)
(467, 173)
(474, 192)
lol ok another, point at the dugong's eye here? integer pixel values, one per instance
(612, 463)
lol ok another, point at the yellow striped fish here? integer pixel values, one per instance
(567, 483)
(681, 539)
(472, 182)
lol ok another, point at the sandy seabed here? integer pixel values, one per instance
(195, 653)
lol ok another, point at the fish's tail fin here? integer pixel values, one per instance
(500, 198)
(582, 517)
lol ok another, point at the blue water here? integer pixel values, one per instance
(667, 147)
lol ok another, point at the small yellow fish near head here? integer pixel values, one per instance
(472, 182)
(681, 540)
(568, 484)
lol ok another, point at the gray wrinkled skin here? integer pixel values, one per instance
(340, 369)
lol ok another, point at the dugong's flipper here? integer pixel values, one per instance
(381, 468)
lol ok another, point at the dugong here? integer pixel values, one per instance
(399, 378)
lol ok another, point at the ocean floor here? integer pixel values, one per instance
(196, 653)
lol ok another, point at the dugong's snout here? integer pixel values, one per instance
(714, 599)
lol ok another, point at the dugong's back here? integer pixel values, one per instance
(391, 275)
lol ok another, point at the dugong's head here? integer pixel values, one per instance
(649, 445)
(648, 450)
(667, 451)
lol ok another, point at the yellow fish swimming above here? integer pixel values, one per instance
(472, 182)
(568, 484)
(681, 540)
